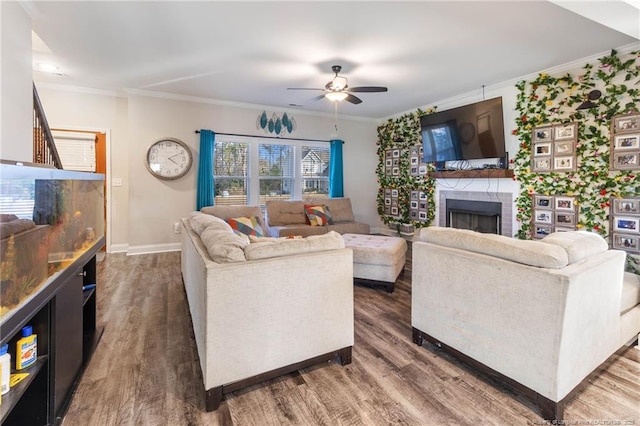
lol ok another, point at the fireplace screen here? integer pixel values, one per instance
(480, 216)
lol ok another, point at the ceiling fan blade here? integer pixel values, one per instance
(314, 99)
(302, 88)
(369, 89)
(353, 99)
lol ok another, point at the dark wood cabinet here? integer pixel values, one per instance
(63, 316)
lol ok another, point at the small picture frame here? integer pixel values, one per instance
(394, 211)
(414, 195)
(414, 161)
(542, 164)
(543, 216)
(414, 151)
(625, 161)
(413, 214)
(414, 171)
(388, 162)
(626, 141)
(388, 154)
(544, 133)
(626, 123)
(562, 229)
(387, 209)
(395, 171)
(563, 148)
(626, 242)
(626, 206)
(542, 202)
(396, 153)
(422, 215)
(564, 203)
(396, 162)
(563, 163)
(565, 219)
(422, 170)
(541, 231)
(414, 205)
(387, 191)
(394, 192)
(565, 131)
(423, 205)
(422, 195)
(394, 201)
(541, 149)
(626, 224)
(387, 201)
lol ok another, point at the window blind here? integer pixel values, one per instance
(77, 150)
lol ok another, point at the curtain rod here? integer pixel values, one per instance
(269, 137)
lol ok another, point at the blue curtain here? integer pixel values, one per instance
(204, 195)
(336, 186)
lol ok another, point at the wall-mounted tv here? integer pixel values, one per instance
(469, 132)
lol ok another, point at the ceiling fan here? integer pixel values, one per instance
(338, 90)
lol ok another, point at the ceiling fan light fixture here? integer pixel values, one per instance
(339, 83)
(336, 96)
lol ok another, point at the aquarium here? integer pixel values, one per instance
(48, 218)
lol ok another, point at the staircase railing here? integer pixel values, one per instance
(44, 147)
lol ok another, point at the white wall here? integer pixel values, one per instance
(16, 102)
(144, 209)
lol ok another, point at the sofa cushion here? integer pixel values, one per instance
(225, 212)
(200, 221)
(318, 214)
(279, 248)
(254, 239)
(222, 244)
(246, 226)
(578, 244)
(341, 210)
(281, 213)
(527, 252)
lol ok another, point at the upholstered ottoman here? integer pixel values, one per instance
(377, 259)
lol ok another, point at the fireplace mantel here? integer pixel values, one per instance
(470, 174)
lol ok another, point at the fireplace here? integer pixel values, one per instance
(480, 216)
(486, 211)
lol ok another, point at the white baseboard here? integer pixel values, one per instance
(118, 248)
(153, 248)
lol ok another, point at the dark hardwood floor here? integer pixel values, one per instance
(145, 369)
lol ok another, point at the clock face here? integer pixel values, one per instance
(169, 159)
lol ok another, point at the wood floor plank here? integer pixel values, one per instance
(145, 371)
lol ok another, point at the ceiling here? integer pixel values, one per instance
(251, 52)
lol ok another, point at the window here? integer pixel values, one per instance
(315, 171)
(276, 171)
(252, 171)
(230, 170)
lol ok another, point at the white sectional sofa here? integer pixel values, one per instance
(263, 309)
(540, 316)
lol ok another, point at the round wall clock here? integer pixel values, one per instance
(169, 159)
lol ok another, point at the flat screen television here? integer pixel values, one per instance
(469, 132)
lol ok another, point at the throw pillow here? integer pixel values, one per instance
(318, 215)
(246, 226)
